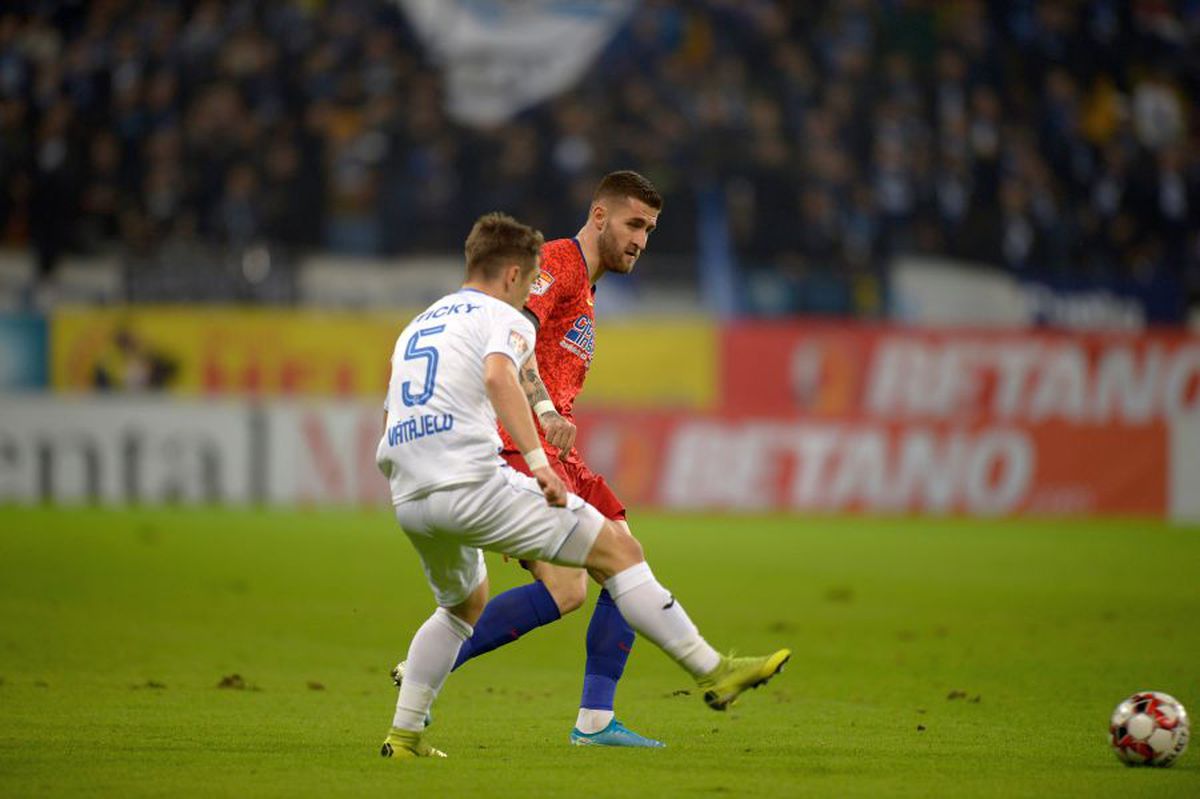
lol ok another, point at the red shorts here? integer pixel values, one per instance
(579, 479)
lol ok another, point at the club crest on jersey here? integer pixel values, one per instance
(542, 284)
(517, 343)
(581, 338)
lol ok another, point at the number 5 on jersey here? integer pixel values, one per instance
(430, 354)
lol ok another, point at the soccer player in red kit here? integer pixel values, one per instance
(623, 214)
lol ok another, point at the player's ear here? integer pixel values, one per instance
(599, 215)
(512, 276)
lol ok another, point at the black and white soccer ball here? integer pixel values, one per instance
(1149, 728)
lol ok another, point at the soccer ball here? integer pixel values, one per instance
(1149, 729)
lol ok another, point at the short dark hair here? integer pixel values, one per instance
(625, 184)
(497, 240)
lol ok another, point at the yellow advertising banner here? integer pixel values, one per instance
(653, 364)
(192, 350)
(219, 351)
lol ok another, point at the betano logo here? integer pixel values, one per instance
(1033, 379)
(830, 468)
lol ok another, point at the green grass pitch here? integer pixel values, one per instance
(932, 658)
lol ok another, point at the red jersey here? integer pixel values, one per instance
(562, 300)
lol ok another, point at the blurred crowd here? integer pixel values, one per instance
(1055, 139)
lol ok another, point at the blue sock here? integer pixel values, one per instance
(507, 617)
(609, 639)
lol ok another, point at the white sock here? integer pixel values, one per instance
(431, 655)
(654, 612)
(591, 720)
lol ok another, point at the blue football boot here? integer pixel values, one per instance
(615, 734)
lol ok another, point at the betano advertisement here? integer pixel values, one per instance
(821, 418)
(832, 418)
(862, 466)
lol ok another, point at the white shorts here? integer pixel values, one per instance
(505, 513)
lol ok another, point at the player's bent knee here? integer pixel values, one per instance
(614, 551)
(566, 585)
(631, 548)
(471, 608)
(572, 593)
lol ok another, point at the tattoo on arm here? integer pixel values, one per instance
(531, 382)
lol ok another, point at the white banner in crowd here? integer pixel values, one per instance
(502, 56)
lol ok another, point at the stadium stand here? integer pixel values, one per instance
(199, 142)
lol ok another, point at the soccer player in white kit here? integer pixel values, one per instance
(454, 373)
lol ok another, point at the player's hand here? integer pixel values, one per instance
(560, 432)
(552, 486)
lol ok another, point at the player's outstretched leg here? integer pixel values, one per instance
(507, 617)
(609, 641)
(655, 613)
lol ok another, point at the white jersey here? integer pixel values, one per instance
(441, 426)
